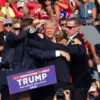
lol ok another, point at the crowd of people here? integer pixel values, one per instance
(39, 33)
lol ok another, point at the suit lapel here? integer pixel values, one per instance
(69, 41)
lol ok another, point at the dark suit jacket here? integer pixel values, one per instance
(12, 41)
(22, 59)
(61, 65)
(79, 70)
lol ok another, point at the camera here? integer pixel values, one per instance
(60, 94)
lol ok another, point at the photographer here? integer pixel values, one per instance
(62, 95)
(94, 90)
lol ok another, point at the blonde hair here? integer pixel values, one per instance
(60, 35)
(50, 22)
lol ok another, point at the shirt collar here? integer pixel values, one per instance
(71, 37)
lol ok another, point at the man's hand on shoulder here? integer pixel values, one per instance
(65, 54)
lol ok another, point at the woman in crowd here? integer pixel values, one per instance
(47, 10)
(34, 8)
(87, 11)
(94, 90)
(55, 9)
(65, 8)
(7, 11)
(14, 6)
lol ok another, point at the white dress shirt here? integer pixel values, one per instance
(71, 37)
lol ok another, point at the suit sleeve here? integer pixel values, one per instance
(16, 39)
(41, 54)
(76, 51)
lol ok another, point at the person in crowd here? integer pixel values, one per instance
(97, 3)
(1, 14)
(14, 6)
(61, 37)
(7, 11)
(8, 58)
(81, 78)
(34, 8)
(3, 2)
(63, 82)
(16, 27)
(87, 11)
(25, 11)
(48, 10)
(65, 9)
(97, 26)
(94, 90)
(95, 50)
(7, 27)
(7, 24)
(62, 23)
(20, 6)
(17, 40)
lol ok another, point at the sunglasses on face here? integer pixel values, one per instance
(16, 28)
(20, 8)
(63, 24)
(6, 25)
(70, 27)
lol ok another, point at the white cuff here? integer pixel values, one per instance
(57, 53)
(0, 59)
(32, 31)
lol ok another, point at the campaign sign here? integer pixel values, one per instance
(63, 14)
(31, 79)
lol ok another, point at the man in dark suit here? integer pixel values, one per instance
(81, 78)
(61, 65)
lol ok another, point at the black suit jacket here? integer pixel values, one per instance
(79, 70)
(61, 65)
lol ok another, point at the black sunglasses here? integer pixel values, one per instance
(20, 8)
(70, 27)
(6, 25)
(16, 28)
(63, 24)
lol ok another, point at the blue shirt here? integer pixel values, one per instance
(86, 12)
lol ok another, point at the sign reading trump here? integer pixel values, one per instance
(31, 79)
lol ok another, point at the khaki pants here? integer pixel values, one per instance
(20, 96)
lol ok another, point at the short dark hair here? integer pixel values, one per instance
(26, 22)
(62, 19)
(76, 21)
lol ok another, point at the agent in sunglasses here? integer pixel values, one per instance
(16, 28)
(63, 23)
(78, 68)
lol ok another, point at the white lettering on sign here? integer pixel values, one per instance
(37, 10)
(19, 82)
(32, 79)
